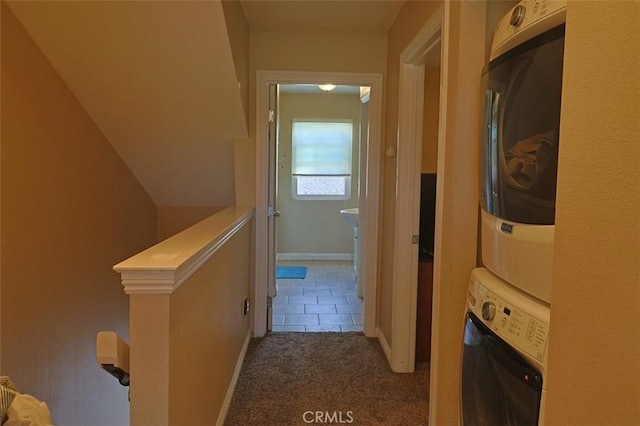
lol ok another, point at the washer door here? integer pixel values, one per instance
(499, 387)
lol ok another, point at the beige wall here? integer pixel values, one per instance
(186, 294)
(238, 31)
(159, 79)
(172, 220)
(300, 50)
(188, 343)
(431, 116)
(457, 200)
(313, 226)
(410, 19)
(1, 37)
(594, 348)
(71, 209)
(239, 34)
(317, 50)
(207, 332)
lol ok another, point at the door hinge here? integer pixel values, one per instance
(272, 115)
(415, 239)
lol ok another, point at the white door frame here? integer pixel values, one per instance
(369, 205)
(407, 207)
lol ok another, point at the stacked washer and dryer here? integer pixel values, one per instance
(509, 300)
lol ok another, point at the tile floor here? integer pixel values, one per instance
(325, 300)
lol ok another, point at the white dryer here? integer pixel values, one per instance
(505, 354)
(520, 143)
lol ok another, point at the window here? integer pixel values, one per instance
(321, 159)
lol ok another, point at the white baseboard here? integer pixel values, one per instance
(234, 381)
(385, 345)
(315, 256)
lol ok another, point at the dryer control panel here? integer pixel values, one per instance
(526, 20)
(521, 322)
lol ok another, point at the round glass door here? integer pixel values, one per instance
(524, 88)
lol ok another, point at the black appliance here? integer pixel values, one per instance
(427, 216)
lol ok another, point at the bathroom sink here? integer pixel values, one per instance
(350, 216)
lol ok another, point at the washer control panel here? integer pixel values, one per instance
(508, 320)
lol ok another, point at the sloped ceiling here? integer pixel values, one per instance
(158, 79)
(375, 16)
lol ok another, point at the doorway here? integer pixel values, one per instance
(368, 202)
(319, 134)
(425, 48)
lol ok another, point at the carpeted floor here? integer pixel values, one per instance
(290, 378)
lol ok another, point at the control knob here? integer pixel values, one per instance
(488, 311)
(517, 16)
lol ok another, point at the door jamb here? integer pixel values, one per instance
(407, 206)
(369, 213)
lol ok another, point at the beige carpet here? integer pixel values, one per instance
(325, 378)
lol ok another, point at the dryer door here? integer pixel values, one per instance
(522, 130)
(498, 386)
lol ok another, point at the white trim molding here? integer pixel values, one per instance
(224, 410)
(162, 268)
(407, 207)
(384, 344)
(370, 203)
(315, 256)
(456, 231)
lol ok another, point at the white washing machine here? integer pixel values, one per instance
(505, 354)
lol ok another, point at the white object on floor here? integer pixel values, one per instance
(21, 409)
(25, 410)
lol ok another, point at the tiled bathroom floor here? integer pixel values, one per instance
(325, 300)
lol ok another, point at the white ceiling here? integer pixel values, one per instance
(354, 15)
(158, 79)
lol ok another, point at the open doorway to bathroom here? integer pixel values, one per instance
(320, 131)
(369, 170)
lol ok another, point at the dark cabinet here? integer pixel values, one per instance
(423, 317)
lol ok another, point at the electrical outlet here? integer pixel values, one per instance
(245, 306)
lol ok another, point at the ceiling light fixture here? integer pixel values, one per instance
(326, 87)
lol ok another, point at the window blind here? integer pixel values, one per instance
(322, 148)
